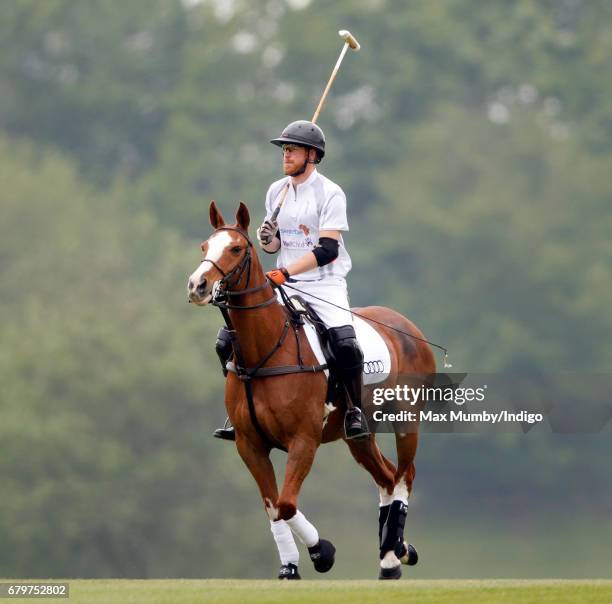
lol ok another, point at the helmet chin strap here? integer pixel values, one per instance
(301, 170)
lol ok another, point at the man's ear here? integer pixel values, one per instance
(216, 218)
(243, 218)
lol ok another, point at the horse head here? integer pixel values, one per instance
(227, 256)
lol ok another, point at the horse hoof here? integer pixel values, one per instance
(387, 574)
(412, 556)
(322, 555)
(289, 572)
(408, 554)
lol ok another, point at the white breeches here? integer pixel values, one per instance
(331, 289)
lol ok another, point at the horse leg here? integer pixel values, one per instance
(406, 445)
(259, 464)
(368, 455)
(394, 509)
(299, 461)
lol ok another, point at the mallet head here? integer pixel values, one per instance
(349, 38)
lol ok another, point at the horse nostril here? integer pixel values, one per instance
(190, 285)
(202, 286)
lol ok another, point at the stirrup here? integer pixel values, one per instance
(227, 432)
(355, 424)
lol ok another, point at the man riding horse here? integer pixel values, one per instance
(308, 234)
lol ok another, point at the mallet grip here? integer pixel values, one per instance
(280, 203)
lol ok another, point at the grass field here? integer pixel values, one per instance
(175, 591)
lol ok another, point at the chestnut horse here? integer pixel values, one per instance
(289, 409)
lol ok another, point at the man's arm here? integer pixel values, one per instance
(309, 260)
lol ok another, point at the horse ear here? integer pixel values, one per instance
(216, 218)
(242, 217)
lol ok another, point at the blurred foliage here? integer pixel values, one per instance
(474, 142)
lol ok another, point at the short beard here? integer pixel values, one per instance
(303, 168)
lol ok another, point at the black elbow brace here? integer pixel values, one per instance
(326, 250)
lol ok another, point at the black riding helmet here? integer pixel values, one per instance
(303, 133)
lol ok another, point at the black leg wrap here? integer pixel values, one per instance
(383, 514)
(223, 346)
(289, 572)
(322, 555)
(392, 537)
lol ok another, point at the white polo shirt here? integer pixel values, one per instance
(317, 205)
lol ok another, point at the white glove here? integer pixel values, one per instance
(266, 232)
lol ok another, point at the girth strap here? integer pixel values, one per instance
(245, 373)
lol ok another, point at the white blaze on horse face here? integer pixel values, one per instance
(216, 245)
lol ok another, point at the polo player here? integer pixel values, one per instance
(307, 235)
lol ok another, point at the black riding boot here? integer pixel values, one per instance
(223, 346)
(350, 366)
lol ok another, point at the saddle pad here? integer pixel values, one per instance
(376, 357)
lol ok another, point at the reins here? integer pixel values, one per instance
(447, 365)
(224, 290)
(221, 294)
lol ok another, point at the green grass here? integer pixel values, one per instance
(177, 591)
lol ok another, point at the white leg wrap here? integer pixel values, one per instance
(305, 531)
(287, 549)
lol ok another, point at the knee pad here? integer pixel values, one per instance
(346, 347)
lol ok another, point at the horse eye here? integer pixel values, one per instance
(236, 249)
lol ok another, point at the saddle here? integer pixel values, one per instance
(301, 312)
(376, 355)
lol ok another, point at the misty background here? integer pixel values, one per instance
(474, 143)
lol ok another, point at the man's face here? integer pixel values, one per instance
(294, 157)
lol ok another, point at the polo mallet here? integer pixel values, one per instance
(349, 42)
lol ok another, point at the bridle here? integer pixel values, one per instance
(224, 288)
(222, 292)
